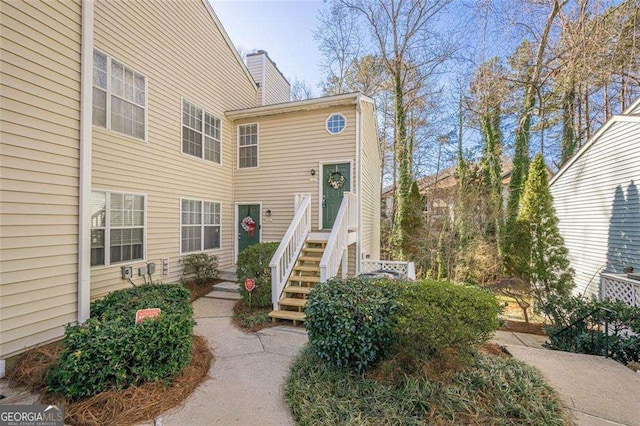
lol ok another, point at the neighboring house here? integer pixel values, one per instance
(596, 200)
(133, 134)
(439, 192)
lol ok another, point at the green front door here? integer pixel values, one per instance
(248, 225)
(336, 181)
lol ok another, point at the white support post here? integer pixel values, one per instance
(345, 262)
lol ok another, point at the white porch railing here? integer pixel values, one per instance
(619, 287)
(335, 253)
(284, 259)
(406, 269)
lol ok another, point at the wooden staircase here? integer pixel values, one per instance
(306, 273)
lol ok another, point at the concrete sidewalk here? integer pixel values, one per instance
(595, 390)
(245, 383)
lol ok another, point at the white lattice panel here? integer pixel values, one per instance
(405, 269)
(620, 288)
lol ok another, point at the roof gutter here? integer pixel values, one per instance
(306, 105)
(84, 185)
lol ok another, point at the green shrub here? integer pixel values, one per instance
(203, 267)
(349, 322)
(440, 319)
(588, 335)
(253, 263)
(110, 351)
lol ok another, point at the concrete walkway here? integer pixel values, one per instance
(595, 390)
(245, 381)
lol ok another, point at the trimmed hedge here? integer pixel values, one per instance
(110, 351)
(253, 262)
(440, 319)
(350, 322)
(358, 322)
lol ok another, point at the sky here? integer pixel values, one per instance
(284, 28)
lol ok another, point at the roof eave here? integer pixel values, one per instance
(295, 106)
(626, 116)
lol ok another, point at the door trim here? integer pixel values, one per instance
(321, 165)
(236, 219)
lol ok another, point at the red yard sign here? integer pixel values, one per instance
(249, 284)
(143, 314)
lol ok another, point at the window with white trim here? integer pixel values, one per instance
(248, 145)
(336, 123)
(117, 227)
(200, 133)
(200, 224)
(119, 97)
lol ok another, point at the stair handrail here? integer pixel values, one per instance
(581, 322)
(284, 259)
(338, 241)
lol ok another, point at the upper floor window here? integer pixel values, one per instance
(119, 97)
(200, 133)
(248, 145)
(200, 223)
(336, 123)
(117, 227)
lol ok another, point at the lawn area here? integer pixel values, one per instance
(491, 390)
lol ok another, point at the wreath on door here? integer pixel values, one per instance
(336, 180)
(249, 225)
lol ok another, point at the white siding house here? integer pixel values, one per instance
(596, 200)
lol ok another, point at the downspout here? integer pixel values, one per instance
(359, 193)
(84, 189)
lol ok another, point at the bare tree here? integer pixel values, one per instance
(409, 49)
(340, 42)
(300, 90)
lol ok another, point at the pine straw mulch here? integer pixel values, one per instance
(129, 406)
(524, 327)
(199, 290)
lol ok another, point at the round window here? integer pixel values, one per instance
(336, 123)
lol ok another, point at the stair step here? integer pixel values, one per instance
(294, 289)
(310, 259)
(304, 279)
(292, 301)
(313, 250)
(288, 315)
(321, 242)
(307, 268)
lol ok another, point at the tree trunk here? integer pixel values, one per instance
(403, 155)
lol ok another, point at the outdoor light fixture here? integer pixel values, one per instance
(268, 213)
(313, 172)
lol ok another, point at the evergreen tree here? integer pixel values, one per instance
(545, 266)
(412, 222)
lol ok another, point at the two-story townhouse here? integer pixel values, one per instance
(133, 134)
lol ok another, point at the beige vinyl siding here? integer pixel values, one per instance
(254, 65)
(276, 87)
(40, 109)
(289, 146)
(370, 193)
(598, 190)
(182, 54)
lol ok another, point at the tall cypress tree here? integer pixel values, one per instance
(543, 256)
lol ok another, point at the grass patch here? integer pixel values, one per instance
(251, 319)
(492, 390)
